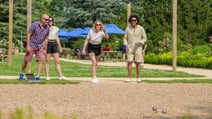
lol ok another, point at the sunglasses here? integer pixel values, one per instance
(45, 19)
(98, 25)
(133, 20)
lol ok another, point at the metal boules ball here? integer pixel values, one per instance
(154, 108)
(164, 111)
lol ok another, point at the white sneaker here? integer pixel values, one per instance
(138, 80)
(62, 78)
(95, 80)
(47, 78)
(128, 80)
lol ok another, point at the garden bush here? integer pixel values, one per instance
(165, 58)
(186, 59)
(151, 58)
(202, 49)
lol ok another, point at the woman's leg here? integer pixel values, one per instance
(47, 64)
(57, 64)
(97, 60)
(94, 64)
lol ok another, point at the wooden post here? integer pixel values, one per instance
(128, 12)
(174, 20)
(29, 21)
(10, 33)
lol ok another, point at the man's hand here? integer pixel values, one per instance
(28, 48)
(127, 50)
(138, 44)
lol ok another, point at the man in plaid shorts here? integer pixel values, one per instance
(36, 36)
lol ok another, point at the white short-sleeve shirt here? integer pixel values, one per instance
(95, 37)
(53, 33)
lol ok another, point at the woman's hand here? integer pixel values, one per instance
(61, 50)
(83, 52)
(106, 34)
(104, 30)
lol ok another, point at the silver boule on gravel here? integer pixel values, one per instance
(154, 108)
(164, 111)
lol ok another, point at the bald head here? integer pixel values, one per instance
(44, 16)
(44, 19)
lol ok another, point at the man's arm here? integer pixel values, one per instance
(126, 41)
(45, 43)
(28, 41)
(143, 35)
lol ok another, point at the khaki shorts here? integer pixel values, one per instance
(135, 55)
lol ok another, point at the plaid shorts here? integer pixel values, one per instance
(39, 54)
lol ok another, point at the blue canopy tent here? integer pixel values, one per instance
(79, 32)
(113, 29)
(76, 32)
(110, 28)
(85, 31)
(63, 34)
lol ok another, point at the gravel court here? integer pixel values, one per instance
(111, 100)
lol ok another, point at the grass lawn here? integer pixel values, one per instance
(82, 70)
(70, 69)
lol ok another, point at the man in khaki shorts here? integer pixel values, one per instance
(134, 38)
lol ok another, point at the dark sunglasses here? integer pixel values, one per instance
(45, 19)
(133, 20)
(98, 25)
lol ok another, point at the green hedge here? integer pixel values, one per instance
(197, 56)
(185, 59)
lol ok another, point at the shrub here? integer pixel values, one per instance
(202, 49)
(210, 62)
(183, 59)
(151, 58)
(165, 58)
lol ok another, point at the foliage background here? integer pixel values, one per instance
(194, 20)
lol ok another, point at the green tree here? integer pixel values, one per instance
(19, 17)
(195, 20)
(194, 17)
(82, 13)
(19, 20)
(156, 19)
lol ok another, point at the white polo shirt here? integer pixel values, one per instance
(95, 37)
